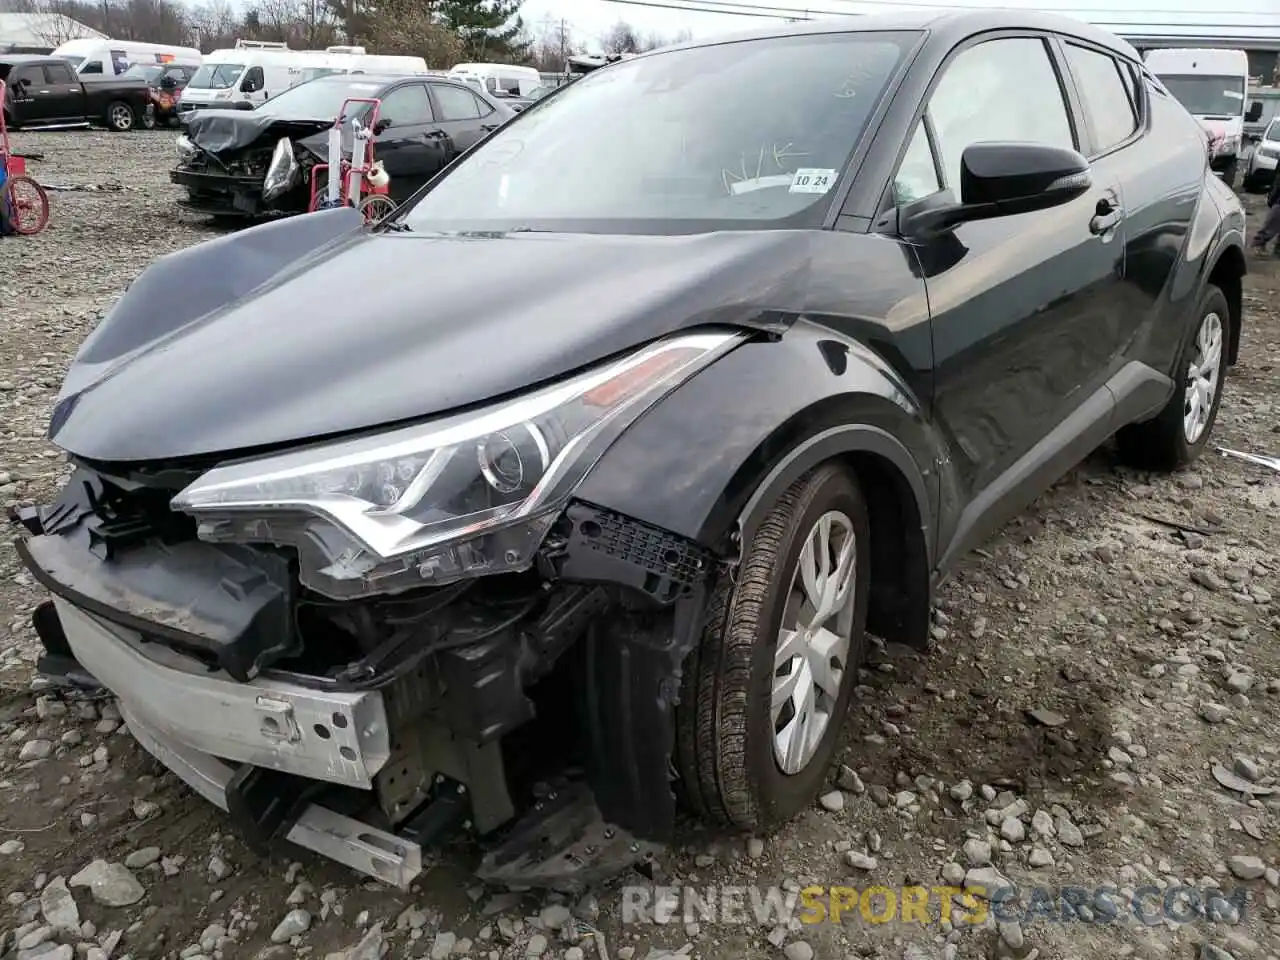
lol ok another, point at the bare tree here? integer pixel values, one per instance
(620, 38)
(552, 43)
(214, 25)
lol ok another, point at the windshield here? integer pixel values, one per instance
(139, 72)
(541, 90)
(755, 130)
(216, 76)
(1208, 96)
(317, 99)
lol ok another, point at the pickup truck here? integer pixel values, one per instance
(44, 91)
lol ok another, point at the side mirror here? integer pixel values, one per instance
(1255, 112)
(382, 124)
(168, 82)
(999, 179)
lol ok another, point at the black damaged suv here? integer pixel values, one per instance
(372, 541)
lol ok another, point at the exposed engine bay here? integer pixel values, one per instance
(235, 162)
(532, 709)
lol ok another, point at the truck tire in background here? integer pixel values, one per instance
(120, 116)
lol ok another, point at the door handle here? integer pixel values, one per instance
(489, 127)
(1107, 215)
(434, 135)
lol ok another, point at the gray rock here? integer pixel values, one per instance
(952, 874)
(832, 802)
(537, 946)
(35, 750)
(554, 916)
(1042, 824)
(984, 881)
(1209, 952)
(861, 861)
(443, 945)
(977, 853)
(1069, 834)
(295, 922)
(12, 848)
(142, 858)
(1039, 857)
(798, 950)
(755, 848)
(111, 884)
(59, 907)
(1213, 712)
(1013, 830)
(1246, 868)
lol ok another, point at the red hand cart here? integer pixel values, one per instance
(374, 202)
(23, 201)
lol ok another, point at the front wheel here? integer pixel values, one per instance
(1180, 432)
(120, 117)
(765, 693)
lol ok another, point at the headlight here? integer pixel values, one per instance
(186, 149)
(281, 171)
(466, 496)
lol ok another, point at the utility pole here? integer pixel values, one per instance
(564, 41)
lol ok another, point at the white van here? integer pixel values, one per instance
(1211, 84)
(247, 75)
(113, 57)
(500, 79)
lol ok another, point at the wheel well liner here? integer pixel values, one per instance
(901, 538)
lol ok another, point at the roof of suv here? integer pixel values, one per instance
(955, 24)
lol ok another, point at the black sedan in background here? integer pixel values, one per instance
(371, 540)
(257, 163)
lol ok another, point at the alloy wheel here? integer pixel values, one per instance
(1202, 378)
(121, 117)
(812, 652)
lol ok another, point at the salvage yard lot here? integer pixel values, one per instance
(1102, 696)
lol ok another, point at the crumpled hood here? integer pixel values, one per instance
(371, 329)
(225, 131)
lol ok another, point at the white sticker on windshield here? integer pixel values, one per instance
(812, 180)
(1233, 94)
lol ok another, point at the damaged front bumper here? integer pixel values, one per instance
(372, 760)
(223, 193)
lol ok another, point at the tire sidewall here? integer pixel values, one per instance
(111, 117)
(781, 796)
(1213, 300)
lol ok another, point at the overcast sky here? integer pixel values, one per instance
(589, 19)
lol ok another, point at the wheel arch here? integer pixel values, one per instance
(1227, 272)
(898, 510)
(710, 459)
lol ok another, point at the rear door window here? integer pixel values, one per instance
(407, 105)
(93, 66)
(1108, 95)
(456, 103)
(58, 73)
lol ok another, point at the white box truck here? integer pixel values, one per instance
(1211, 84)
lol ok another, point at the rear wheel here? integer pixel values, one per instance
(120, 117)
(1180, 432)
(376, 206)
(765, 693)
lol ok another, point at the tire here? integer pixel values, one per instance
(1229, 174)
(120, 117)
(1163, 443)
(725, 727)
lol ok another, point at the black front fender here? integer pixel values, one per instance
(709, 461)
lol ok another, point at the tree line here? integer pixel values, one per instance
(444, 32)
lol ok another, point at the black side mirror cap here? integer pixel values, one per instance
(1255, 112)
(382, 124)
(999, 179)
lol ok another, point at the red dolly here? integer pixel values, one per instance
(372, 187)
(23, 201)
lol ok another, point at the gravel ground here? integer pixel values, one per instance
(1101, 706)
